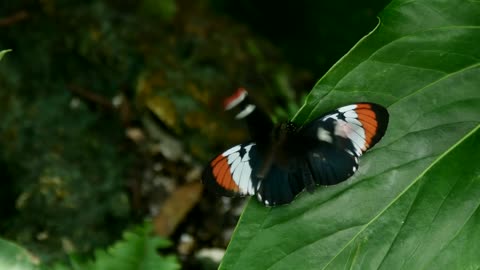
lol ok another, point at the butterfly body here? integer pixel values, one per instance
(280, 162)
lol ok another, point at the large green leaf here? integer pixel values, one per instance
(414, 201)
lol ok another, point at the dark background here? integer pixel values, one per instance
(110, 107)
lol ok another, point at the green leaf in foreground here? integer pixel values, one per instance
(138, 250)
(2, 53)
(414, 201)
(14, 257)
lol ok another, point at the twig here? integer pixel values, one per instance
(15, 18)
(124, 109)
(92, 97)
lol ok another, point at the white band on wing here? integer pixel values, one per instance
(245, 112)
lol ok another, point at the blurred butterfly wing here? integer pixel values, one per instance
(234, 173)
(335, 141)
(230, 173)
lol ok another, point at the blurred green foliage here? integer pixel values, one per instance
(2, 53)
(13, 257)
(65, 160)
(137, 250)
(63, 167)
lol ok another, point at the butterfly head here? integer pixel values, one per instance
(283, 130)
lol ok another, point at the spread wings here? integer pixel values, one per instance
(323, 152)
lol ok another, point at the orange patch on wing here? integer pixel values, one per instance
(216, 160)
(369, 128)
(363, 106)
(221, 171)
(368, 119)
(218, 166)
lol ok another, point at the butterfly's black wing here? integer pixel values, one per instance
(235, 173)
(230, 173)
(280, 186)
(334, 142)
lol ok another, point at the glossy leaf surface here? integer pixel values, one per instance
(413, 204)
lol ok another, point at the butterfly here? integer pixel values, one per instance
(282, 161)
